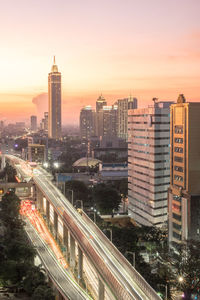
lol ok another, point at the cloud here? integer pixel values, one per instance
(41, 103)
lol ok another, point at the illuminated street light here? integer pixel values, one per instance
(180, 279)
(56, 165)
(46, 164)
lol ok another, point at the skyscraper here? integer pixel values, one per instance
(149, 167)
(54, 95)
(46, 121)
(109, 120)
(33, 123)
(123, 106)
(87, 124)
(100, 103)
(184, 191)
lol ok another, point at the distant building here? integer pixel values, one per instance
(20, 125)
(110, 120)
(54, 95)
(46, 121)
(87, 124)
(36, 153)
(100, 103)
(148, 158)
(33, 123)
(184, 191)
(123, 106)
(111, 149)
(113, 171)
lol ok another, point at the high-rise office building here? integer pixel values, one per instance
(87, 124)
(54, 95)
(149, 167)
(36, 153)
(184, 191)
(33, 123)
(46, 121)
(100, 103)
(123, 106)
(109, 116)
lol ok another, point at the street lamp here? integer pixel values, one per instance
(72, 199)
(56, 165)
(94, 212)
(133, 253)
(109, 229)
(46, 164)
(81, 201)
(180, 279)
(166, 294)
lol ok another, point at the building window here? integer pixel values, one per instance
(176, 236)
(177, 198)
(178, 149)
(178, 178)
(176, 208)
(179, 129)
(178, 159)
(178, 140)
(176, 226)
(177, 217)
(179, 169)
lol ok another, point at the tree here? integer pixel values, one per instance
(43, 292)
(183, 263)
(122, 186)
(34, 278)
(9, 172)
(106, 198)
(17, 252)
(80, 190)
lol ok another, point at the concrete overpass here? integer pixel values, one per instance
(83, 241)
(22, 189)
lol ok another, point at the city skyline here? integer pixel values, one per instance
(115, 48)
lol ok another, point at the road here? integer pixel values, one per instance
(51, 256)
(124, 281)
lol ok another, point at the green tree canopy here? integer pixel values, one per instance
(106, 198)
(80, 190)
(17, 254)
(43, 292)
(182, 266)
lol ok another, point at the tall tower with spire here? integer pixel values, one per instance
(54, 95)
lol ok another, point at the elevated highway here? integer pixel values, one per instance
(67, 287)
(114, 272)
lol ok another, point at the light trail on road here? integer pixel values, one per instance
(123, 280)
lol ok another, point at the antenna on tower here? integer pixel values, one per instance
(54, 60)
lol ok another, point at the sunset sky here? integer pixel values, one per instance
(149, 48)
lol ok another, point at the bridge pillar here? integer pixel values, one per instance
(55, 224)
(47, 211)
(101, 290)
(34, 192)
(39, 200)
(65, 240)
(80, 263)
(72, 251)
